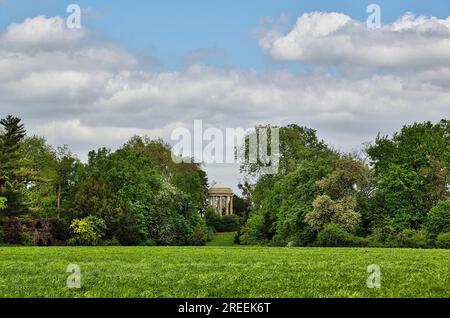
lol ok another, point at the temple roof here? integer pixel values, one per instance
(220, 188)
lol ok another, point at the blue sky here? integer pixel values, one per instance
(168, 30)
(149, 67)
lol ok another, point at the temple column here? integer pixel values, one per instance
(224, 207)
(231, 204)
(225, 202)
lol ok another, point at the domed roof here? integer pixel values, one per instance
(220, 188)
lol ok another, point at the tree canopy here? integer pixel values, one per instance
(137, 195)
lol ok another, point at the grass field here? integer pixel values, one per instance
(223, 239)
(223, 272)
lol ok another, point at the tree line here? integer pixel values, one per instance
(135, 195)
(393, 193)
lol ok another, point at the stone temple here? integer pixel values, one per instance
(220, 198)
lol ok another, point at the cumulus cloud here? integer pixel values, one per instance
(41, 32)
(91, 95)
(337, 39)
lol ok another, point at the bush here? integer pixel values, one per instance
(278, 240)
(11, 232)
(87, 231)
(409, 238)
(443, 240)
(212, 219)
(226, 223)
(148, 242)
(128, 232)
(198, 236)
(112, 242)
(381, 236)
(438, 220)
(229, 223)
(326, 211)
(2, 203)
(60, 229)
(333, 235)
(25, 239)
(209, 234)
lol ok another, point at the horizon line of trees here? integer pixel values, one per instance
(135, 195)
(395, 192)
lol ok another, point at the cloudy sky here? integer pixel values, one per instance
(149, 67)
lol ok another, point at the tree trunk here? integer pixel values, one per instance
(58, 203)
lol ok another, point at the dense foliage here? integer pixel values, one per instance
(333, 235)
(226, 223)
(443, 240)
(138, 193)
(87, 231)
(438, 220)
(14, 175)
(395, 193)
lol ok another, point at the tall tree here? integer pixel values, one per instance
(65, 167)
(281, 201)
(413, 171)
(13, 175)
(39, 158)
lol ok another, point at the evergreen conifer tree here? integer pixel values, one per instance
(12, 174)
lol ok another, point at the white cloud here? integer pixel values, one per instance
(88, 96)
(41, 32)
(336, 39)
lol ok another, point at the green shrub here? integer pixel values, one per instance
(209, 234)
(409, 238)
(438, 220)
(278, 240)
(212, 219)
(87, 231)
(128, 232)
(60, 229)
(226, 223)
(198, 236)
(25, 239)
(112, 242)
(443, 240)
(380, 236)
(148, 242)
(2, 203)
(237, 237)
(333, 235)
(229, 223)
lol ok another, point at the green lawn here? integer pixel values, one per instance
(223, 272)
(223, 239)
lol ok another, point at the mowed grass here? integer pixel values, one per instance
(223, 239)
(223, 272)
